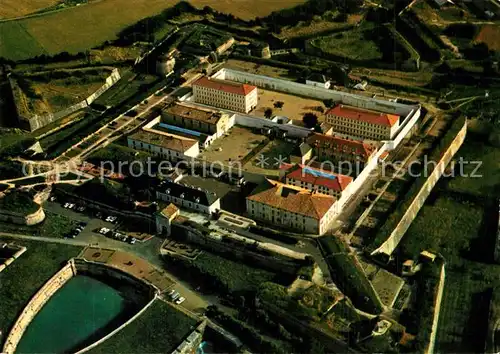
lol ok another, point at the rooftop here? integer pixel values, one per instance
(319, 177)
(222, 85)
(195, 113)
(168, 141)
(189, 193)
(293, 199)
(335, 143)
(364, 115)
(170, 210)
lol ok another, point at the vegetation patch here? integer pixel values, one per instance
(162, 325)
(54, 225)
(50, 92)
(18, 202)
(22, 279)
(357, 44)
(348, 275)
(489, 35)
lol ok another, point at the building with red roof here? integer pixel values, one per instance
(225, 94)
(317, 180)
(339, 150)
(292, 207)
(362, 122)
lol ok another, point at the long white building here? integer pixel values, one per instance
(225, 94)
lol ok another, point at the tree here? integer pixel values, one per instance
(310, 120)
(278, 104)
(268, 113)
(329, 102)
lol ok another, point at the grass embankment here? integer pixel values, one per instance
(160, 329)
(348, 275)
(54, 225)
(27, 274)
(355, 44)
(18, 202)
(407, 199)
(459, 220)
(226, 275)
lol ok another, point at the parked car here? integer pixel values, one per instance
(112, 219)
(175, 296)
(81, 208)
(132, 240)
(180, 300)
(53, 199)
(104, 230)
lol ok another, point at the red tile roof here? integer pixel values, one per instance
(341, 145)
(363, 115)
(319, 177)
(222, 85)
(294, 199)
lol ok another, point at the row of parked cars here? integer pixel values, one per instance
(76, 231)
(176, 297)
(117, 235)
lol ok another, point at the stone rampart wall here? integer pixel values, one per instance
(397, 234)
(35, 304)
(21, 219)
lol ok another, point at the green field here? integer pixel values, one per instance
(17, 43)
(354, 44)
(54, 225)
(487, 182)
(27, 274)
(159, 330)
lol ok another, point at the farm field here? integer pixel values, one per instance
(84, 27)
(16, 8)
(489, 35)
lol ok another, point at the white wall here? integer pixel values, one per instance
(189, 204)
(315, 92)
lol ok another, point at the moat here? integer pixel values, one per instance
(84, 310)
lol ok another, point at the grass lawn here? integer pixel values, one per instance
(19, 202)
(355, 44)
(54, 225)
(15, 8)
(236, 276)
(158, 330)
(27, 274)
(463, 233)
(17, 42)
(489, 157)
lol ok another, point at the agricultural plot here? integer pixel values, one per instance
(16, 8)
(80, 28)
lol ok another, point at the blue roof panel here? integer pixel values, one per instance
(317, 173)
(180, 130)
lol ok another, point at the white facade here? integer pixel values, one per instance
(164, 152)
(188, 204)
(300, 223)
(361, 128)
(223, 99)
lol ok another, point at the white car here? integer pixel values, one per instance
(103, 231)
(180, 300)
(111, 219)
